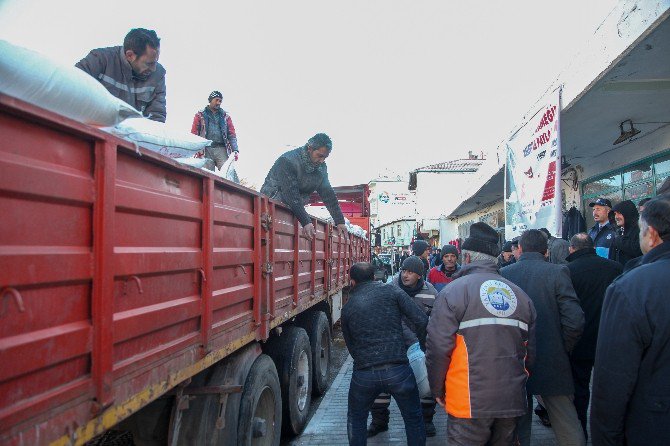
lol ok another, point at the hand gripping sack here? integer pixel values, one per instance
(66, 90)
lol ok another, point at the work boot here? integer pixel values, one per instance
(374, 429)
(430, 429)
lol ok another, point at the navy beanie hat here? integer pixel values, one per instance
(483, 238)
(413, 264)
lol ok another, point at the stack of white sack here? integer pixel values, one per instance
(158, 137)
(355, 229)
(184, 147)
(62, 89)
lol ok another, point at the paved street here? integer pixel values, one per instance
(328, 425)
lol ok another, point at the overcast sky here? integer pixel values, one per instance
(396, 84)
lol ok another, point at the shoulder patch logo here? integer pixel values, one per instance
(498, 298)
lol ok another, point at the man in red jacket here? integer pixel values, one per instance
(441, 275)
(214, 123)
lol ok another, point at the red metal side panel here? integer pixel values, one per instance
(122, 275)
(235, 225)
(157, 258)
(46, 243)
(285, 228)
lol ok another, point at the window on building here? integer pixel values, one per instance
(399, 231)
(633, 182)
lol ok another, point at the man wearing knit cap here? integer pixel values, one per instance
(410, 280)
(506, 257)
(421, 249)
(480, 343)
(298, 173)
(441, 275)
(214, 123)
(560, 322)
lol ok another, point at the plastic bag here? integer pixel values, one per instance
(158, 137)
(66, 90)
(228, 171)
(417, 360)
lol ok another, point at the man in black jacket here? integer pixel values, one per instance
(560, 321)
(631, 390)
(298, 173)
(410, 281)
(591, 275)
(372, 330)
(626, 244)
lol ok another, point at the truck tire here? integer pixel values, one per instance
(317, 327)
(261, 406)
(293, 356)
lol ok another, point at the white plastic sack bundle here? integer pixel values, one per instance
(199, 163)
(228, 171)
(66, 90)
(417, 360)
(158, 137)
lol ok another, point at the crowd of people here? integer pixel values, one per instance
(538, 318)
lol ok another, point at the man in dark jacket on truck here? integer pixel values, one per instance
(626, 245)
(409, 280)
(631, 386)
(132, 72)
(372, 330)
(480, 340)
(560, 321)
(590, 275)
(298, 173)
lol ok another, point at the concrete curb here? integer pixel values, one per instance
(313, 424)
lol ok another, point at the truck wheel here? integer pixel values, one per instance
(294, 364)
(316, 325)
(260, 408)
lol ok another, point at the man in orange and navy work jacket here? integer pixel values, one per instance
(480, 342)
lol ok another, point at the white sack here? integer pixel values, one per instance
(158, 137)
(199, 163)
(417, 360)
(66, 90)
(227, 170)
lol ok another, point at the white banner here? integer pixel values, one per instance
(533, 173)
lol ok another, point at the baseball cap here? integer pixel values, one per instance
(601, 202)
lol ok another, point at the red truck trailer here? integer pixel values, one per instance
(147, 296)
(354, 201)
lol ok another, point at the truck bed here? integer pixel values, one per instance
(124, 273)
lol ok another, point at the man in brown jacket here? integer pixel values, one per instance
(480, 342)
(131, 72)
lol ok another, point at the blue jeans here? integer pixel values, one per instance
(398, 380)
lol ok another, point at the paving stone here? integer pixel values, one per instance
(329, 423)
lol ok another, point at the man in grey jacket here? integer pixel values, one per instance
(560, 321)
(479, 346)
(132, 72)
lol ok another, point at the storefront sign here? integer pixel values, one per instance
(532, 174)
